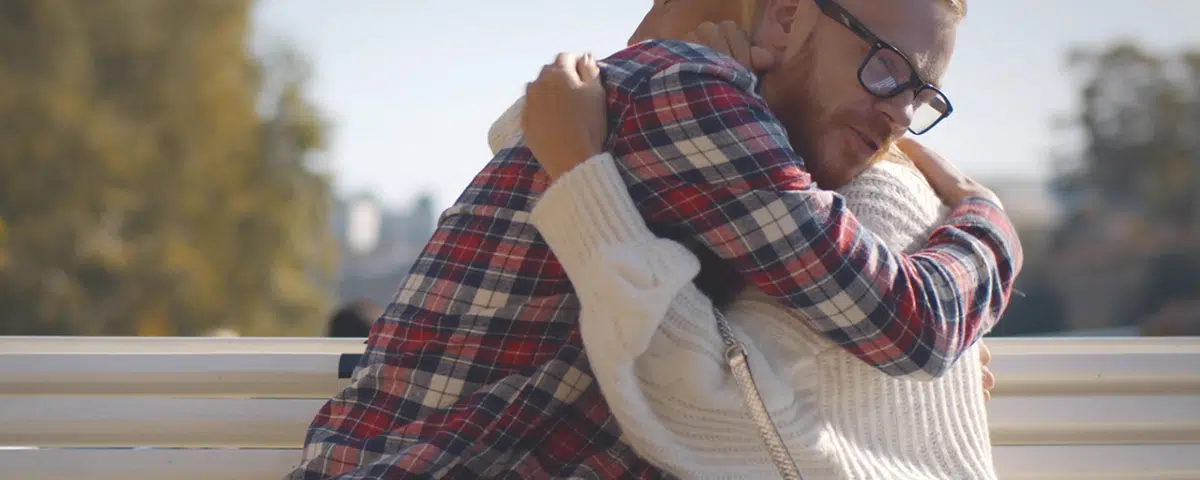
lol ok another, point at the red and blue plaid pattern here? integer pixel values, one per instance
(477, 369)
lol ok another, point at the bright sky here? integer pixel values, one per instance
(412, 85)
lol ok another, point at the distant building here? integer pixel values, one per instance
(377, 244)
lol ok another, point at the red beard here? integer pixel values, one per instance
(807, 122)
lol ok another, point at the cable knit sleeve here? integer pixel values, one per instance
(628, 279)
(630, 283)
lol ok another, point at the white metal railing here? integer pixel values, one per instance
(1062, 408)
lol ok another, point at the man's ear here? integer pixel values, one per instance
(785, 22)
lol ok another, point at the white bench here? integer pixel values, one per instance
(237, 408)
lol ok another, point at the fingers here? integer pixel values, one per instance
(710, 35)
(946, 179)
(926, 159)
(562, 71)
(739, 43)
(587, 69)
(761, 59)
(569, 75)
(569, 69)
(565, 61)
(989, 382)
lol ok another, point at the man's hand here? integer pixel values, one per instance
(729, 39)
(564, 117)
(989, 380)
(951, 184)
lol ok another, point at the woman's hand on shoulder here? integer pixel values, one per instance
(989, 380)
(564, 119)
(948, 181)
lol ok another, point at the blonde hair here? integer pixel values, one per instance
(959, 7)
(892, 154)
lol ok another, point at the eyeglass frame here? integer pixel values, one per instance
(917, 84)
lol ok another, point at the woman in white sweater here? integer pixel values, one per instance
(653, 344)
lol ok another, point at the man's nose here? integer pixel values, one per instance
(898, 110)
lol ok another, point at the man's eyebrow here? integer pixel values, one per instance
(926, 73)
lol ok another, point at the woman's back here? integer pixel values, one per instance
(935, 429)
(841, 418)
(874, 426)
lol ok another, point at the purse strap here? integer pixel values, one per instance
(739, 366)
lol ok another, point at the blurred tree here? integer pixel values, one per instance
(1172, 277)
(3, 251)
(1036, 307)
(144, 189)
(1134, 189)
(1140, 120)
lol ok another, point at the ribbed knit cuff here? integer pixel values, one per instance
(507, 127)
(586, 210)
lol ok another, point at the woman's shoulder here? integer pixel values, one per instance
(894, 183)
(894, 201)
(890, 173)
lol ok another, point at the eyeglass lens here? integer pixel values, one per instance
(886, 74)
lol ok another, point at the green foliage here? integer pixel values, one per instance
(1132, 195)
(1140, 119)
(143, 189)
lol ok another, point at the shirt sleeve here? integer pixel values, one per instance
(707, 160)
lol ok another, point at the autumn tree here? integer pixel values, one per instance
(154, 175)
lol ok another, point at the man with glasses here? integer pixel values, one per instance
(868, 113)
(477, 371)
(886, 73)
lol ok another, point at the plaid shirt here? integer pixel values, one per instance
(477, 368)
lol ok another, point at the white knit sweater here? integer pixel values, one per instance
(652, 342)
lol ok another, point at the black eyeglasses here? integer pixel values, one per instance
(886, 72)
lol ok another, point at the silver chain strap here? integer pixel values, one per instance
(739, 366)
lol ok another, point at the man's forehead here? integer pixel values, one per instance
(922, 29)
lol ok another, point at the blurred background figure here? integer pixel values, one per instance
(354, 320)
